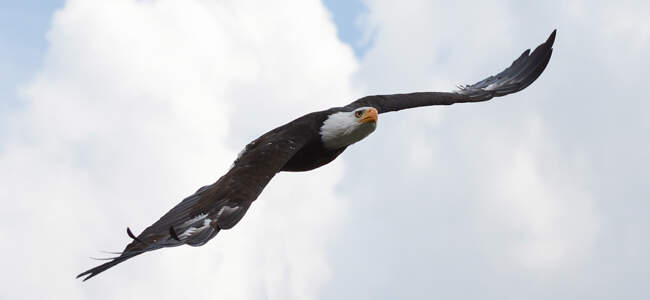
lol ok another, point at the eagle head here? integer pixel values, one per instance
(342, 129)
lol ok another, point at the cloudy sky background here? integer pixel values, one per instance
(111, 112)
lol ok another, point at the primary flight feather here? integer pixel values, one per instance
(304, 144)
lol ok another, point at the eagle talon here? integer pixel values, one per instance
(173, 234)
(131, 235)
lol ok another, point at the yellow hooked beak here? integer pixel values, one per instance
(370, 115)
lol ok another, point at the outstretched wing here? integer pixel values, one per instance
(199, 217)
(523, 71)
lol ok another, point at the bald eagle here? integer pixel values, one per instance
(304, 144)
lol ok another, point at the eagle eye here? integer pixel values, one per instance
(358, 113)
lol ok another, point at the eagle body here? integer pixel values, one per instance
(313, 154)
(304, 144)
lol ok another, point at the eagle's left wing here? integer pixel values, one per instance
(199, 217)
(523, 71)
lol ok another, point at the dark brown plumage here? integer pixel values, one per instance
(302, 145)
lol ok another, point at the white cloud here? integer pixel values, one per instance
(521, 197)
(413, 38)
(539, 195)
(554, 220)
(139, 104)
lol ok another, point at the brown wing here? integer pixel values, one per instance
(199, 217)
(523, 71)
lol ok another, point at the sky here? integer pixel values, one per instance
(111, 112)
